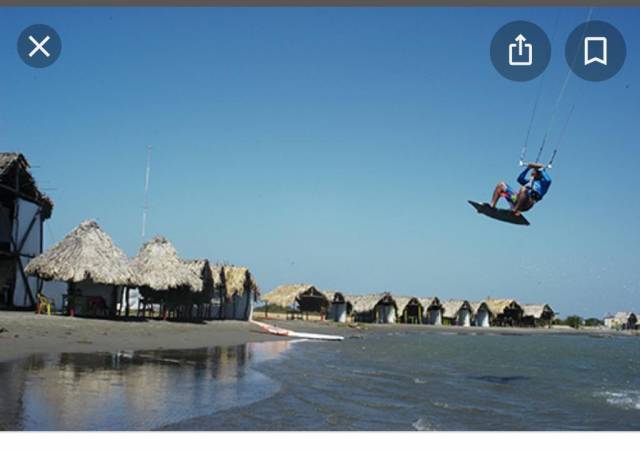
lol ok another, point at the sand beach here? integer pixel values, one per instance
(25, 333)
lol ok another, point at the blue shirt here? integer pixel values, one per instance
(539, 186)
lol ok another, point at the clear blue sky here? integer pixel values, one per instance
(334, 146)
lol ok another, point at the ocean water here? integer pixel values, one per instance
(378, 381)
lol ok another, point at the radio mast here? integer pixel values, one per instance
(145, 207)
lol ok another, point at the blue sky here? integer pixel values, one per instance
(334, 146)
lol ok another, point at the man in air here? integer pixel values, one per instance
(533, 189)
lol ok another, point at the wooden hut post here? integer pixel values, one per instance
(114, 302)
(70, 301)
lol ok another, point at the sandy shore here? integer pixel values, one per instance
(22, 333)
(351, 329)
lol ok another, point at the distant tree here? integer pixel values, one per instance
(574, 321)
(593, 322)
(271, 308)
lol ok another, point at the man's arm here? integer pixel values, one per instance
(522, 179)
(545, 176)
(545, 182)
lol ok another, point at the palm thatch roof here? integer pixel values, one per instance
(158, 267)
(402, 301)
(218, 275)
(331, 295)
(451, 308)
(85, 254)
(499, 306)
(366, 303)
(286, 294)
(476, 306)
(536, 311)
(429, 302)
(198, 266)
(202, 269)
(238, 279)
(14, 168)
(624, 317)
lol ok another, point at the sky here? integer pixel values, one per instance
(336, 147)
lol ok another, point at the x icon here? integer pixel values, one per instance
(39, 46)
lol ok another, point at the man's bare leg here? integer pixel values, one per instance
(499, 190)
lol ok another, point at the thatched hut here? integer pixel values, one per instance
(93, 267)
(410, 309)
(163, 278)
(504, 312)
(539, 315)
(340, 309)
(432, 311)
(378, 308)
(303, 297)
(481, 314)
(457, 312)
(240, 292)
(23, 210)
(201, 299)
(622, 320)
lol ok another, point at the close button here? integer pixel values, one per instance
(39, 46)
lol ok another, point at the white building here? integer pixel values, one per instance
(23, 210)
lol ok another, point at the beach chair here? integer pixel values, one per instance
(44, 304)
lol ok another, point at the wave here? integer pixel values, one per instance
(423, 424)
(626, 399)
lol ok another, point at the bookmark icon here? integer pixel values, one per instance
(595, 45)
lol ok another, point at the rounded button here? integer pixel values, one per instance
(595, 51)
(520, 51)
(39, 46)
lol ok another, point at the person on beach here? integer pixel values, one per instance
(533, 189)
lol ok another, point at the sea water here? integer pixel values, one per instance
(378, 381)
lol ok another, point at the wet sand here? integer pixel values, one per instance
(24, 333)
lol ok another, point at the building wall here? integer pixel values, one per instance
(24, 214)
(238, 307)
(229, 308)
(386, 314)
(464, 318)
(244, 306)
(89, 289)
(434, 317)
(482, 318)
(339, 312)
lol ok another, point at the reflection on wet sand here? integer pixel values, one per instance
(131, 390)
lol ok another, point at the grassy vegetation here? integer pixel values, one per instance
(576, 322)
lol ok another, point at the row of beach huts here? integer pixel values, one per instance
(100, 280)
(389, 308)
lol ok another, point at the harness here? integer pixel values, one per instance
(535, 196)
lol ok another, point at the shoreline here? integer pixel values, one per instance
(24, 333)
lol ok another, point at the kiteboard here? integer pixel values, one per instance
(289, 333)
(504, 215)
